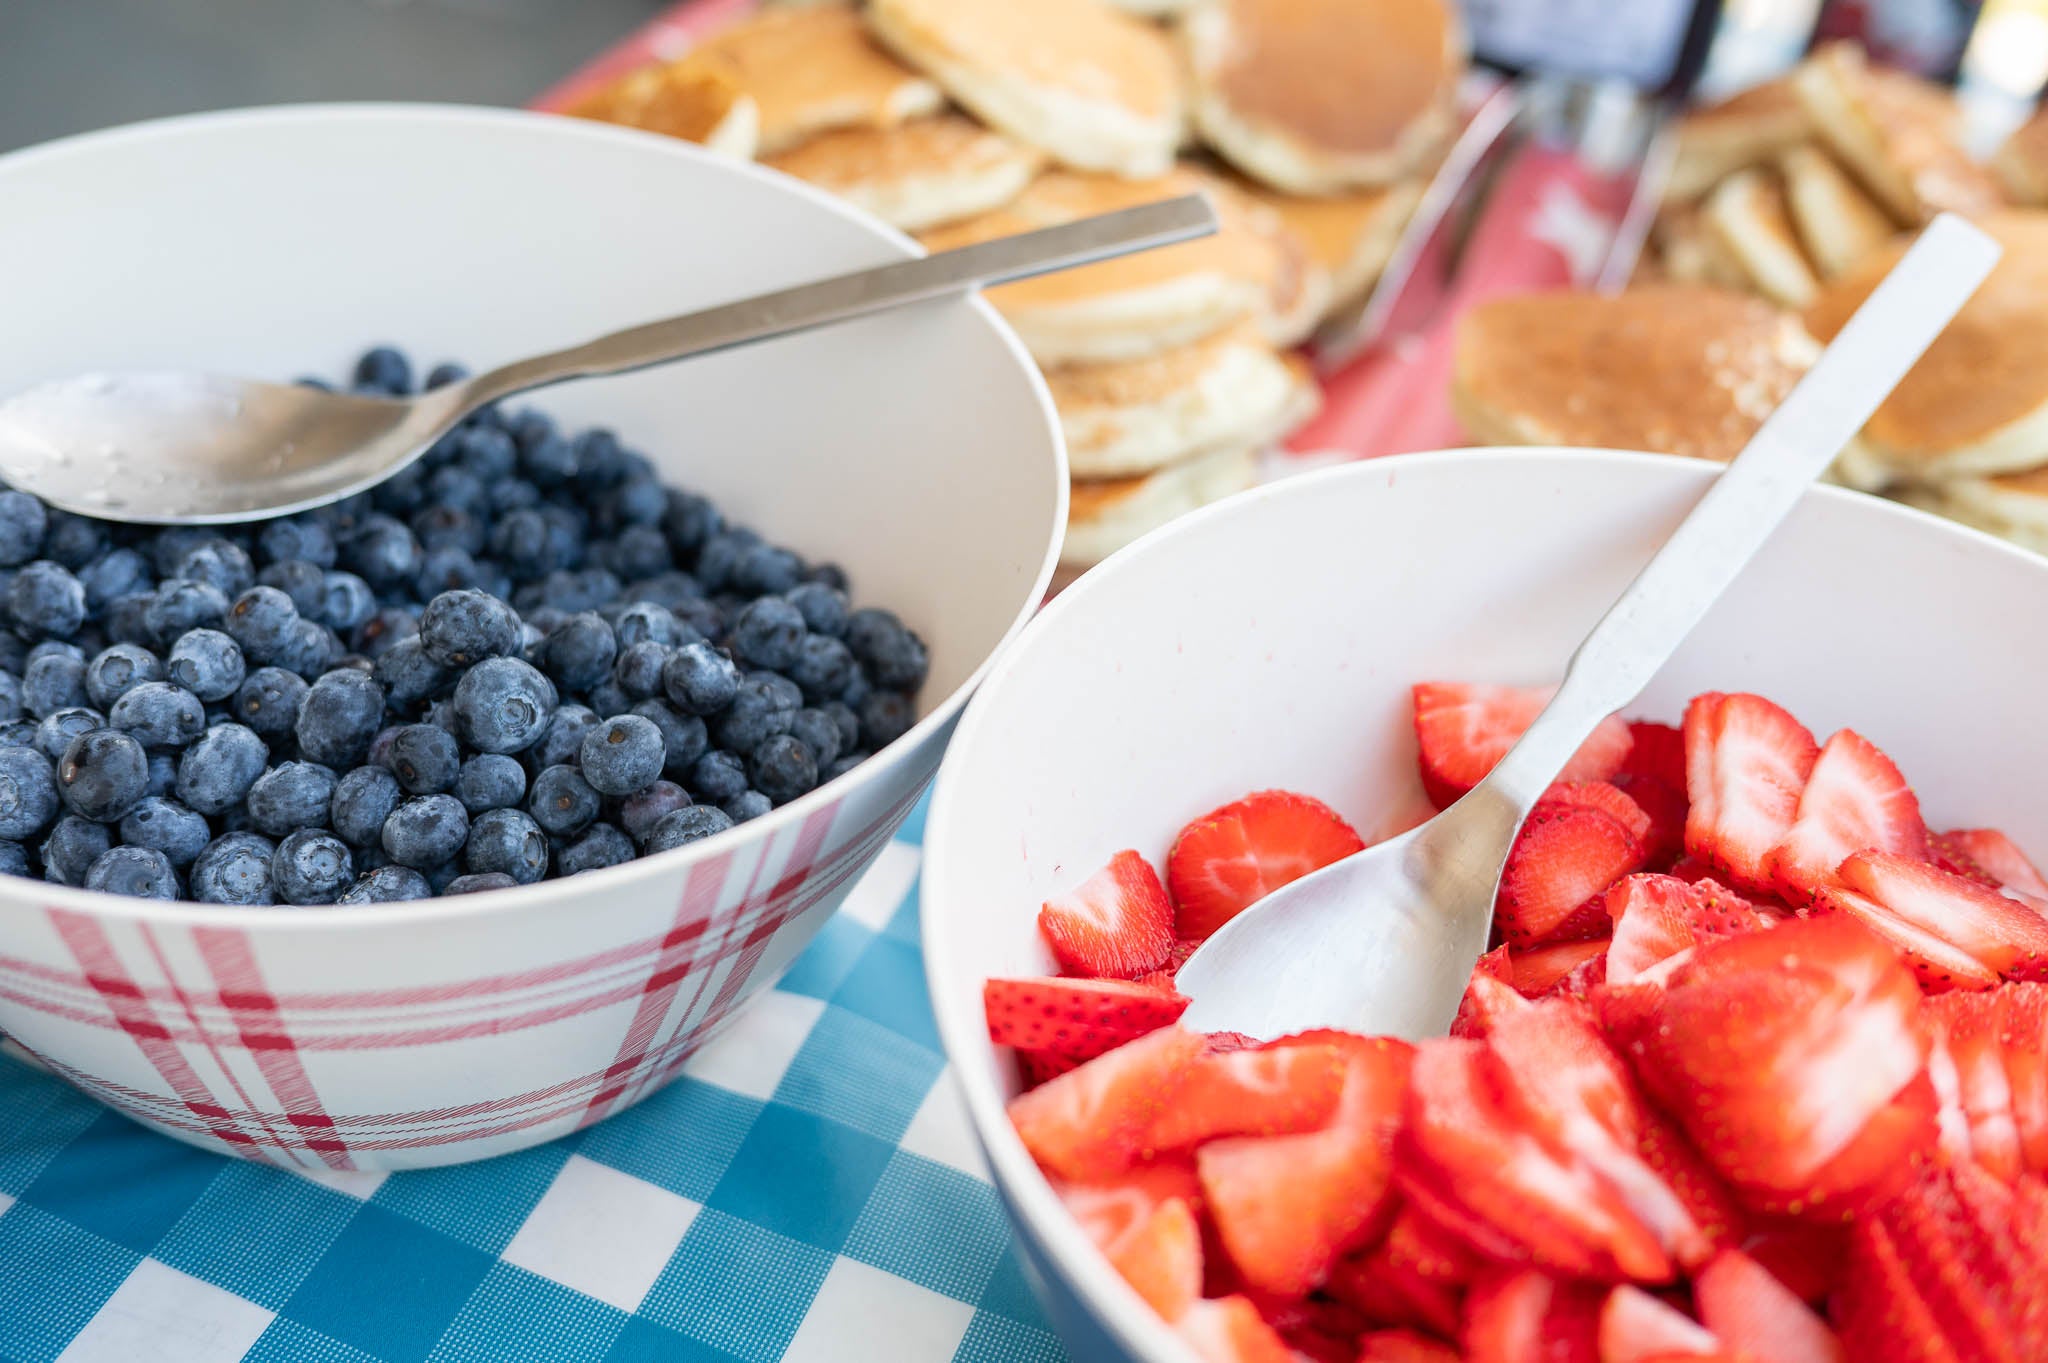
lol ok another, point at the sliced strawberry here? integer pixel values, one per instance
(1658, 918)
(1570, 849)
(1230, 1330)
(1082, 1018)
(1325, 1331)
(1792, 1057)
(2023, 1035)
(1656, 751)
(1944, 850)
(2000, 857)
(1937, 963)
(1116, 924)
(1252, 1093)
(1540, 970)
(1462, 730)
(1405, 1346)
(1039, 1066)
(1746, 762)
(1855, 799)
(1999, 933)
(1220, 1042)
(1481, 999)
(1664, 804)
(1804, 1256)
(1522, 1316)
(1635, 1327)
(1161, 1258)
(1757, 1317)
(1091, 1122)
(1414, 1277)
(1234, 856)
(1143, 1187)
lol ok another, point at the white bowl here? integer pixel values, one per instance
(1271, 641)
(917, 449)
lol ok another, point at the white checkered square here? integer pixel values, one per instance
(758, 1045)
(166, 1316)
(360, 1184)
(940, 1131)
(863, 1315)
(874, 899)
(605, 1234)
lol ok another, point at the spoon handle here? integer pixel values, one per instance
(1740, 511)
(857, 294)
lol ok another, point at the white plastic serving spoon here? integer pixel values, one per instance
(1384, 941)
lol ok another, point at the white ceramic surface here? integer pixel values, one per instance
(917, 449)
(1271, 641)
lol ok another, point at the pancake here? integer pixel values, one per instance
(691, 99)
(1746, 213)
(1319, 96)
(1349, 236)
(1133, 306)
(1744, 130)
(1838, 223)
(2022, 163)
(1140, 415)
(1093, 88)
(1677, 369)
(1977, 402)
(1297, 288)
(1154, 9)
(2013, 506)
(1899, 135)
(1105, 514)
(814, 68)
(921, 174)
(1690, 254)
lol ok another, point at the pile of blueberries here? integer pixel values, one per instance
(521, 657)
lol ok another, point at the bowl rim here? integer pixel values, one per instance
(1024, 1189)
(440, 908)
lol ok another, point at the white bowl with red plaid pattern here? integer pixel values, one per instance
(918, 450)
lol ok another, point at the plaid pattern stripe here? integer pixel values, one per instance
(806, 1189)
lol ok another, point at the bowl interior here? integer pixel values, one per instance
(1271, 641)
(916, 449)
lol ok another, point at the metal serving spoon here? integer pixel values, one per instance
(1384, 941)
(173, 449)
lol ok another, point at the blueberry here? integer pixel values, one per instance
(823, 608)
(884, 717)
(220, 564)
(760, 710)
(894, 657)
(579, 652)
(53, 682)
(116, 670)
(163, 773)
(644, 620)
(768, 633)
(304, 538)
(623, 754)
(638, 670)
(451, 568)
(379, 754)
(262, 622)
(561, 743)
(600, 460)
(382, 552)
(461, 628)
(490, 781)
(547, 459)
(687, 521)
(509, 842)
(426, 831)
(114, 574)
(216, 772)
(409, 676)
(561, 801)
(167, 827)
(180, 604)
(822, 667)
(672, 591)
(819, 732)
(748, 804)
(828, 575)
(383, 632)
(762, 568)
(269, 701)
(168, 546)
(609, 697)
(298, 579)
(363, 800)
(521, 540)
(425, 759)
(387, 885)
(44, 599)
(10, 696)
(346, 601)
(445, 373)
(640, 811)
(59, 727)
(24, 520)
(134, 871)
(384, 370)
(848, 722)
(502, 705)
(339, 716)
(782, 768)
(14, 859)
(312, 867)
(74, 541)
(639, 551)
(207, 663)
(683, 737)
(20, 733)
(159, 714)
(487, 454)
(477, 884)
(700, 680)
(313, 650)
(601, 845)
(71, 849)
(456, 487)
(719, 553)
(102, 773)
(28, 792)
(291, 795)
(440, 526)
(717, 776)
(686, 826)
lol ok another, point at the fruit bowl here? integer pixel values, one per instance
(1272, 642)
(918, 450)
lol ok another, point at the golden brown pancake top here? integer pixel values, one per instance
(942, 144)
(810, 67)
(1919, 126)
(1987, 369)
(1083, 47)
(1135, 383)
(1770, 107)
(1332, 226)
(1679, 369)
(2032, 483)
(687, 98)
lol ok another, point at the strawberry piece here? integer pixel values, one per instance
(1664, 804)
(1950, 855)
(1709, 1203)
(1746, 763)
(1161, 1258)
(1855, 799)
(1081, 1018)
(1999, 857)
(1405, 1346)
(1916, 901)
(1657, 919)
(1966, 1065)
(1220, 1042)
(1482, 996)
(1522, 1316)
(1937, 963)
(1570, 849)
(1252, 1093)
(1656, 751)
(1792, 1057)
(2023, 1036)
(1635, 1327)
(1236, 855)
(1326, 1331)
(1462, 730)
(1805, 1257)
(1230, 1330)
(1415, 1277)
(1138, 1190)
(1757, 1317)
(1116, 924)
(1539, 971)
(1039, 1066)
(1091, 1122)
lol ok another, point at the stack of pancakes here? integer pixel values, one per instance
(1310, 123)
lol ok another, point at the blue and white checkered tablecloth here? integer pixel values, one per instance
(807, 1191)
